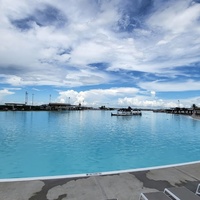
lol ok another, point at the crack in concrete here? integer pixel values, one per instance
(100, 187)
(182, 171)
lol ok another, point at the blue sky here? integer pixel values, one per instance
(139, 53)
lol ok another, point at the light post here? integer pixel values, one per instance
(32, 98)
(50, 98)
(26, 98)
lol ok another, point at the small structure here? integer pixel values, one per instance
(176, 110)
(127, 112)
(197, 111)
(14, 106)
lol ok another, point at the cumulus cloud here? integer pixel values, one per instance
(144, 103)
(121, 97)
(96, 97)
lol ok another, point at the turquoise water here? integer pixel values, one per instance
(77, 142)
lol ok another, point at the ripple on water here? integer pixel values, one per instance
(61, 143)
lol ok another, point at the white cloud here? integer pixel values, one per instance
(36, 89)
(59, 77)
(189, 85)
(85, 77)
(189, 101)
(121, 97)
(144, 103)
(176, 36)
(153, 93)
(91, 35)
(60, 56)
(177, 16)
(37, 51)
(4, 93)
(96, 97)
(15, 89)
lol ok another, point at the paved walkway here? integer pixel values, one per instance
(122, 186)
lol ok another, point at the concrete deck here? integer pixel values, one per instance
(121, 186)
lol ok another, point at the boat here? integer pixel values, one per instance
(127, 112)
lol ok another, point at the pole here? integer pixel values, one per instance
(50, 98)
(32, 98)
(26, 98)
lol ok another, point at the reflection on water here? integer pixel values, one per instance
(71, 142)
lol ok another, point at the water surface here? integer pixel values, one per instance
(77, 142)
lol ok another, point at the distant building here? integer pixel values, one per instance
(60, 106)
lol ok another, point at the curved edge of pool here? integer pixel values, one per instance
(96, 173)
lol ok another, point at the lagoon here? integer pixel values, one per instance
(48, 143)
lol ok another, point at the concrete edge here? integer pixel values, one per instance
(95, 174)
